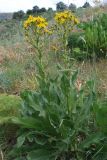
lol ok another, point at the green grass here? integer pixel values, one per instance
(11, 32)
(9, 106)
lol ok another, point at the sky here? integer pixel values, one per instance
(15, 5)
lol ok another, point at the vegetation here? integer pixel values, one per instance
(18, 15)
(53, 89)
(86, 5)
(5, 16)
(92, 40)
(9, 107)
(67, 110)
(72, 7)
(60, 6)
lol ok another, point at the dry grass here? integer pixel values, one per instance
(96, 71)
(23, 55)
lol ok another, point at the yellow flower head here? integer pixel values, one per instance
(65, 17)
(39, 22)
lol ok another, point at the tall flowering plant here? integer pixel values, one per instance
(65, 23)
(35, 30)
(57, 120)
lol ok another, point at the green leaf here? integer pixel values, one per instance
(92, 139)
(20, 158)
(36, 107)
(40, 154)
(74, 76)
(28, 122)
(40, 140)
(20, 141)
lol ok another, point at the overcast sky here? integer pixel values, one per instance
(15, 5)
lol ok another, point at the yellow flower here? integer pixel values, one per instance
(39, 22)
(65, 17)
(42, 25)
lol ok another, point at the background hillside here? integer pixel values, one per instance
(5, 16)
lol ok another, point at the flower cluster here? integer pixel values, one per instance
(38, 22)
(65, 17)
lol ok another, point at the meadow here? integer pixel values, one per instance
(53, 86)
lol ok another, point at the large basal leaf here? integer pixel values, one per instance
(92, 139)
(36, 106)
(28, 122)
(20, 158)
(40, 154)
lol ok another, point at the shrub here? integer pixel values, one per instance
(77, 46)
(29, 12)
(35, 9)
(60, 6)
(86, 5)
(93, 39)
(18, 15)
(96, 40)
(74, 41)
(72, 7)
